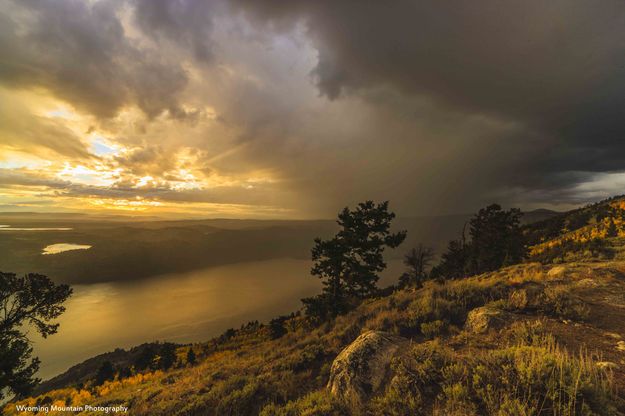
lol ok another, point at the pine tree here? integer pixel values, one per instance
(31, 301)
(453, 262)
(105, 372)
(349, 262)
(612, 231)
(496, 241)
(495, 238)
(168, 355)
(191, 359)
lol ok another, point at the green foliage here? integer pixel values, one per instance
(495, 241)
(145, 359)
(560, 302)
(570, 249)
(349, 262)
(168, 355)
(276, 327)
(579, 218)
(535, 378)
(125, 372)
(402, 396)
(554, 300)
(32, 300)
(156, 356)
(612, 230)
(433, 328)
(541, 379)
(236, 396)
(191, 358)
(438, 306)
(17, 372)
(453, 262)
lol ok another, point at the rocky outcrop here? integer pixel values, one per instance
(359, 370)
(557, 272)
(484, 318)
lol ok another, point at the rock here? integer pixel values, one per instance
(556, 272)
(360, 369)
(587, 283)
(484, 318)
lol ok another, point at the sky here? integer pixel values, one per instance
(273, 109)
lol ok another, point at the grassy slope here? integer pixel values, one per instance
(582, 305)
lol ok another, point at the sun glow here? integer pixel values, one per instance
(137, 204)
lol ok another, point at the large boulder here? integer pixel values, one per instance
(360, 369)
(484, 318)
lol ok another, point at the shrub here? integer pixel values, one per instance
(401, 397)
(533, 377)
(562, 303)
(319, 403)
(433, 328)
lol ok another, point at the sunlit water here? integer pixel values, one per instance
(183, 307)
(9, 228)
(61, 247)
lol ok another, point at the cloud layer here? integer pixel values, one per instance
(304, 107)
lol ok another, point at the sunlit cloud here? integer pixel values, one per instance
(241, 108)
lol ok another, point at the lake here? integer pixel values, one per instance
(10, 228)
(181, 307)
(61, 247)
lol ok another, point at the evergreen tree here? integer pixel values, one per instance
(349, 262)
(146, 357)
(29, 301)
(612, 231)
(105, 372)
(453, 262)
(191, 359)
(168, 355)
(125, 372)
(495, 239)
(276, 327)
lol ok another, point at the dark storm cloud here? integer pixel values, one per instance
(557, 68)
(80, 52)
(438, 106)
(188, 23)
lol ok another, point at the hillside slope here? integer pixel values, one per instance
(545, 338)
(582, 306)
